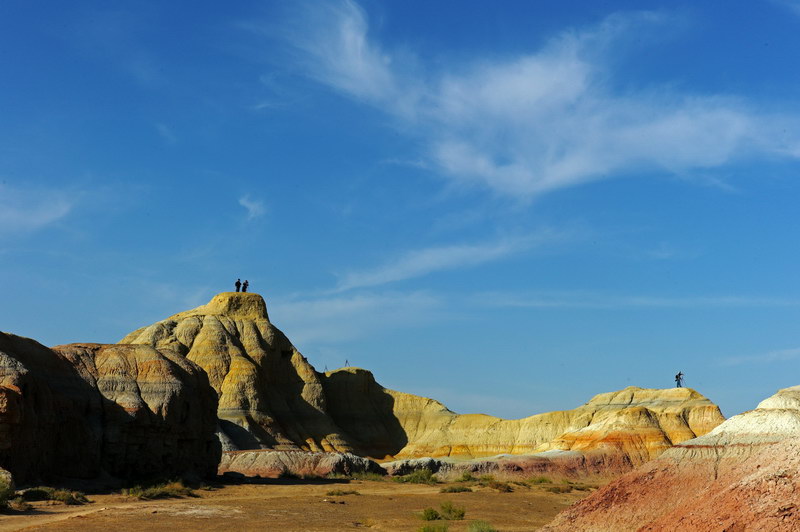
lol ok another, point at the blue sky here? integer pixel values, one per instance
(509, 209)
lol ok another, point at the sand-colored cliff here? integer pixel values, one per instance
(85, 409)
(743, 475)
(270, 397)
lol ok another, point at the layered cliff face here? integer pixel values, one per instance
(609, 435)
(743, 475)
(270, 397)
(86, 409)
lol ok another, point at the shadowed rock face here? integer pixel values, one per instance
(743, 475)
(270, 397)
(85, 409)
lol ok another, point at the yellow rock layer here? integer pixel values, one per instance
(271, 397)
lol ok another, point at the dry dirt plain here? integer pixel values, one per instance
(297, 505)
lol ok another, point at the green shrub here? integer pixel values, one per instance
(6, 493)
(340, 493)
(434, 528)
(502, 487)
(466, 476)
(420, 476)
(486, 478)
(169, 490)
(367, 476)
(559, 489)
(46, 493)
(540, 480)
(480, 526)
(19, 504)
(455, 489)
(452, 513)
(429, 514)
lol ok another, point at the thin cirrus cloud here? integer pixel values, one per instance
(421, 262)
(780, 355)
(590, 300)
(255, 208)
(528, 124)
(27, 209)
(339, 318)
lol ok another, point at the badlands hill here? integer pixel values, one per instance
(270, 397)
(86, 410)
(743, 475)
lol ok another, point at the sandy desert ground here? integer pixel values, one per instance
(302, 506)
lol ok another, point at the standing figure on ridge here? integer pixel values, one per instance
(238, 284)
(679, 379)
(245, 285)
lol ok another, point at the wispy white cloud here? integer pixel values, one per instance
(791, 5)
(166, 133)
(335, 319)
(538, 122)
(590, 300)
(255, 208)
(780, 355)
(29, 209)
(420, 262)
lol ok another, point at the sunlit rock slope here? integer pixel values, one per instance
(270, 397)
(743, 475)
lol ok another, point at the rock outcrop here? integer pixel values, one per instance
(635, 423)
(273, 464)
(84, 410)
(743, 475)
(270, 397)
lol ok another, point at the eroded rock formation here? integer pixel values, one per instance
(272, 464)
(270, 397)
(743, 475)
(86, 409)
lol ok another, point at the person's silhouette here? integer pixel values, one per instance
(245, 285)
(238, 284)
(679, 380)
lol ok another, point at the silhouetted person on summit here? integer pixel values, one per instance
(679, 379)
(238, 284)
(245, 285)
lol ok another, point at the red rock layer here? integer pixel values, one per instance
(744, 475)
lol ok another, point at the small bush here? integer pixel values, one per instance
(466, 476)
(19, 504)
(434, 528)
(367, 476)
(486, 478)
(6, 493)
(559, 489)
(455, 489)
(502, 487)
(46, 493)
(480, 526)
(340, 493)
(429, 514)
(420, 476)
(169, 490)
(452, 513)
(540, 480)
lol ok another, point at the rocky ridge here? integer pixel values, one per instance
(86, 410)
(743, 475)
(270, 397)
